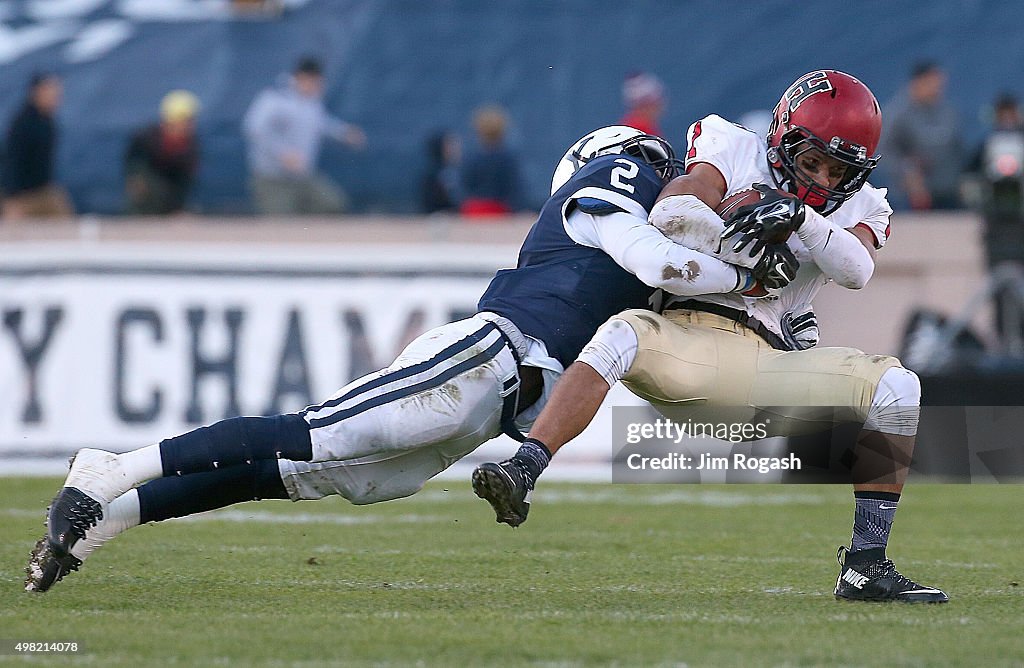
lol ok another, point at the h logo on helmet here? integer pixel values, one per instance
(806, 86)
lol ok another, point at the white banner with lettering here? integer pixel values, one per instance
(120, 345)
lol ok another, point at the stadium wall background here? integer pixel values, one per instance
(403, 68)
(119, 333)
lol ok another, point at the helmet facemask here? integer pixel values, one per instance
(789, 176)
(657, 153)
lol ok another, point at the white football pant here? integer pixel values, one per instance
(384, 435)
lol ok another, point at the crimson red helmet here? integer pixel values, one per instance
(836, 114)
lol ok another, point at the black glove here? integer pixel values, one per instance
(771, 220)
(776, 268)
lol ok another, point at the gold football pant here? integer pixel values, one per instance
(691, 358)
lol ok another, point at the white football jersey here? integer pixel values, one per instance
(739, 154)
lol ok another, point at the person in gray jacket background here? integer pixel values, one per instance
(922, 139)
(284, 128)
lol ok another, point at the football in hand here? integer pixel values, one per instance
(751, 195)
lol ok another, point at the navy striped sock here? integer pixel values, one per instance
(534, 457)
(872, 519)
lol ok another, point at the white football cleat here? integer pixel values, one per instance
(99, 474)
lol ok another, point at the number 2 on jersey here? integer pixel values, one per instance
(630, 170)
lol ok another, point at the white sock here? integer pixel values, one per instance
(143, 464)
(124, 510)
(122, 514)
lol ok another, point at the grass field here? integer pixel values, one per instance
(601, 574)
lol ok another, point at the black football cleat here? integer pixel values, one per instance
(507, 487)
(45, 568)
(72, 513)
(878, 580)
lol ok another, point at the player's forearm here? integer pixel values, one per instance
(687, 221)
(660, 263)
(840, 254)
(646, 253)
(572, 406)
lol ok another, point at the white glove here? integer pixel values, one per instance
(800, 328)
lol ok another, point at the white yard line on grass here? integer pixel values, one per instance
(258, 517)
(620, 496)
(626, 495)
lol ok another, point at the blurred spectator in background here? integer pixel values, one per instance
(30, 191)
(260, 8)
(922, 141)
(491, 176)
(161, 161)
(440, 188)
(997, 172)
(284, 128)
(643, 95)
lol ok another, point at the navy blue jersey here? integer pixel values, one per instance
(560, 292)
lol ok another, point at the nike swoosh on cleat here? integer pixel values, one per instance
(511, 482)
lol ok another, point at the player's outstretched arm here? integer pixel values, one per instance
(645, 252)
(508, 485)
(572, 406)
(685, 214)
(650, 253)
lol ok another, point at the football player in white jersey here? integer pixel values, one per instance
(737, 349)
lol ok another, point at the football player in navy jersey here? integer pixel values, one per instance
(590, 254)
